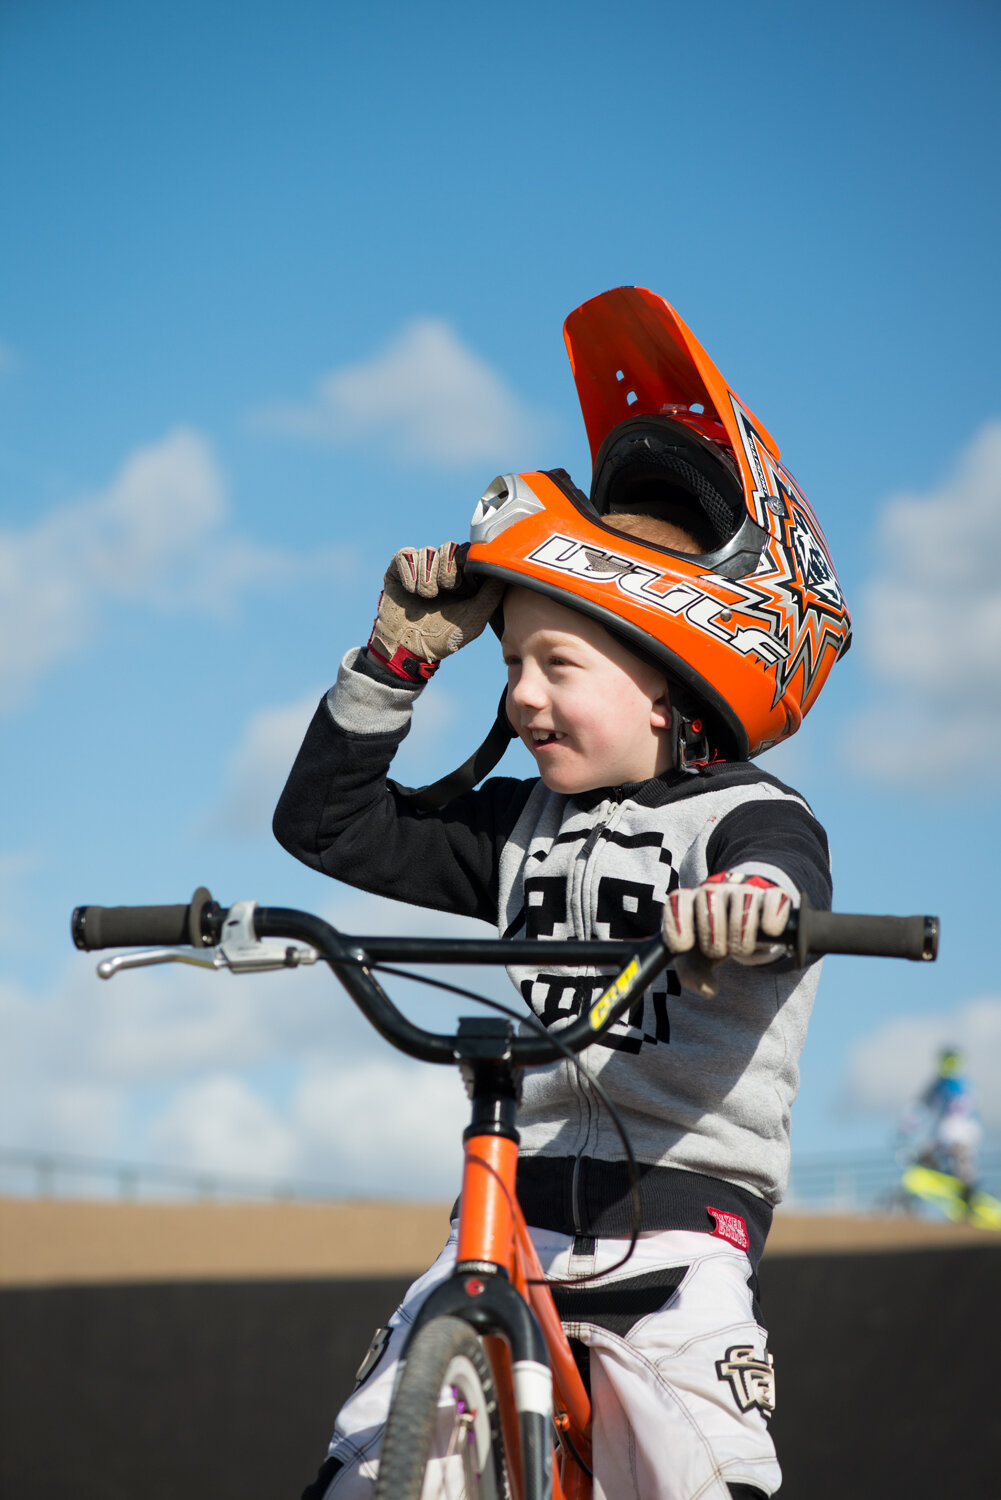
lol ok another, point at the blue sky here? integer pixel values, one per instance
(281, 289)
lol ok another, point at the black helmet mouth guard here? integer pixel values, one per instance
(662, 468)
(655, 464)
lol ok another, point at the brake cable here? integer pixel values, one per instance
(585, 1073)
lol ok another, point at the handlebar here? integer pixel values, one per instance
(198, 923)
(202, 923)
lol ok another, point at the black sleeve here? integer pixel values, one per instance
(339, 816)
(785, 834)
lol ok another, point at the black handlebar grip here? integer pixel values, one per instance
(146, 926)
(821, 932)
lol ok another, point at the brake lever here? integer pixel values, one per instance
(200, 958)
(239, 949)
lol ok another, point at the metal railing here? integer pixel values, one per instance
(32, 1173)
(865, 1180)
(822, 1182)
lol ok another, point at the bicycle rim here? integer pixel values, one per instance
(443, 1436)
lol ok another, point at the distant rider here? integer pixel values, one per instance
(945, 1118)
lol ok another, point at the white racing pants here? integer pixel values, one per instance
(681, 1384)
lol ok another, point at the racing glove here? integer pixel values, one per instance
(727, 916)
(428, 609)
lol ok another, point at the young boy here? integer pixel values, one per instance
(617, 612)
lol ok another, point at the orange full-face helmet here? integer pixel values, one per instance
(746, 630)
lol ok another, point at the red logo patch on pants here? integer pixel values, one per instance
(729, 1227)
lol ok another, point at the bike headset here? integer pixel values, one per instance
(747, 630)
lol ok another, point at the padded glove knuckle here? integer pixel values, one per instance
(775, 910)
(712, 918)
(424, 615)
(423, 585)
(449, 572)
(734, 916)
(403, 569)
(677, 923)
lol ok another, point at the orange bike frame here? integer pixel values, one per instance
(492, 1231)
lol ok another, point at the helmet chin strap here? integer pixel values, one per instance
(689, 742)
(690, 752)
(482, 761)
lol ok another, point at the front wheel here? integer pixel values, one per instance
(443, 1436)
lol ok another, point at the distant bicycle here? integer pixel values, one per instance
(927, 1180)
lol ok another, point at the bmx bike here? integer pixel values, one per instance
(489, 1402)
(927, 1179)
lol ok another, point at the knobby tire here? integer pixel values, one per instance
(443, 1437)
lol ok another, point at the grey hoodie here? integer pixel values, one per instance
(703, 1087)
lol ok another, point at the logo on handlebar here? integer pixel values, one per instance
(599, 1010)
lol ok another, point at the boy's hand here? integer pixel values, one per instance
(428, 609)
(727, 916)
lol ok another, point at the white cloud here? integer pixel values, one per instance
(157, 537)
(222, 1121)
(49, 1100)
(888, 1068)
(274, 1076)
(16, 866)
(260, 763)
(356, 911)
(82, 1061)
(426, 397)
(791, 760)
(930, 628)
(147, 1031)
(388, 1126)
(146, 1028)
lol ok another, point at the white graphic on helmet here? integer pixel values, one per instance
(814, 562)
(801, 593)
(782, 510)
(563, 554)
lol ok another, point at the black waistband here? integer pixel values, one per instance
(669, 1199)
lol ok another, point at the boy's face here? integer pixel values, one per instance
(590, 712)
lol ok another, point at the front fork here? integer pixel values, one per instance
(490, 1305)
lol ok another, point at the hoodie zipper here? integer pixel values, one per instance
(590, 843)
(606, 816)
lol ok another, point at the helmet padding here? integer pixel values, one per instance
(664, 468)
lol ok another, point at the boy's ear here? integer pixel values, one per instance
(660, 712)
